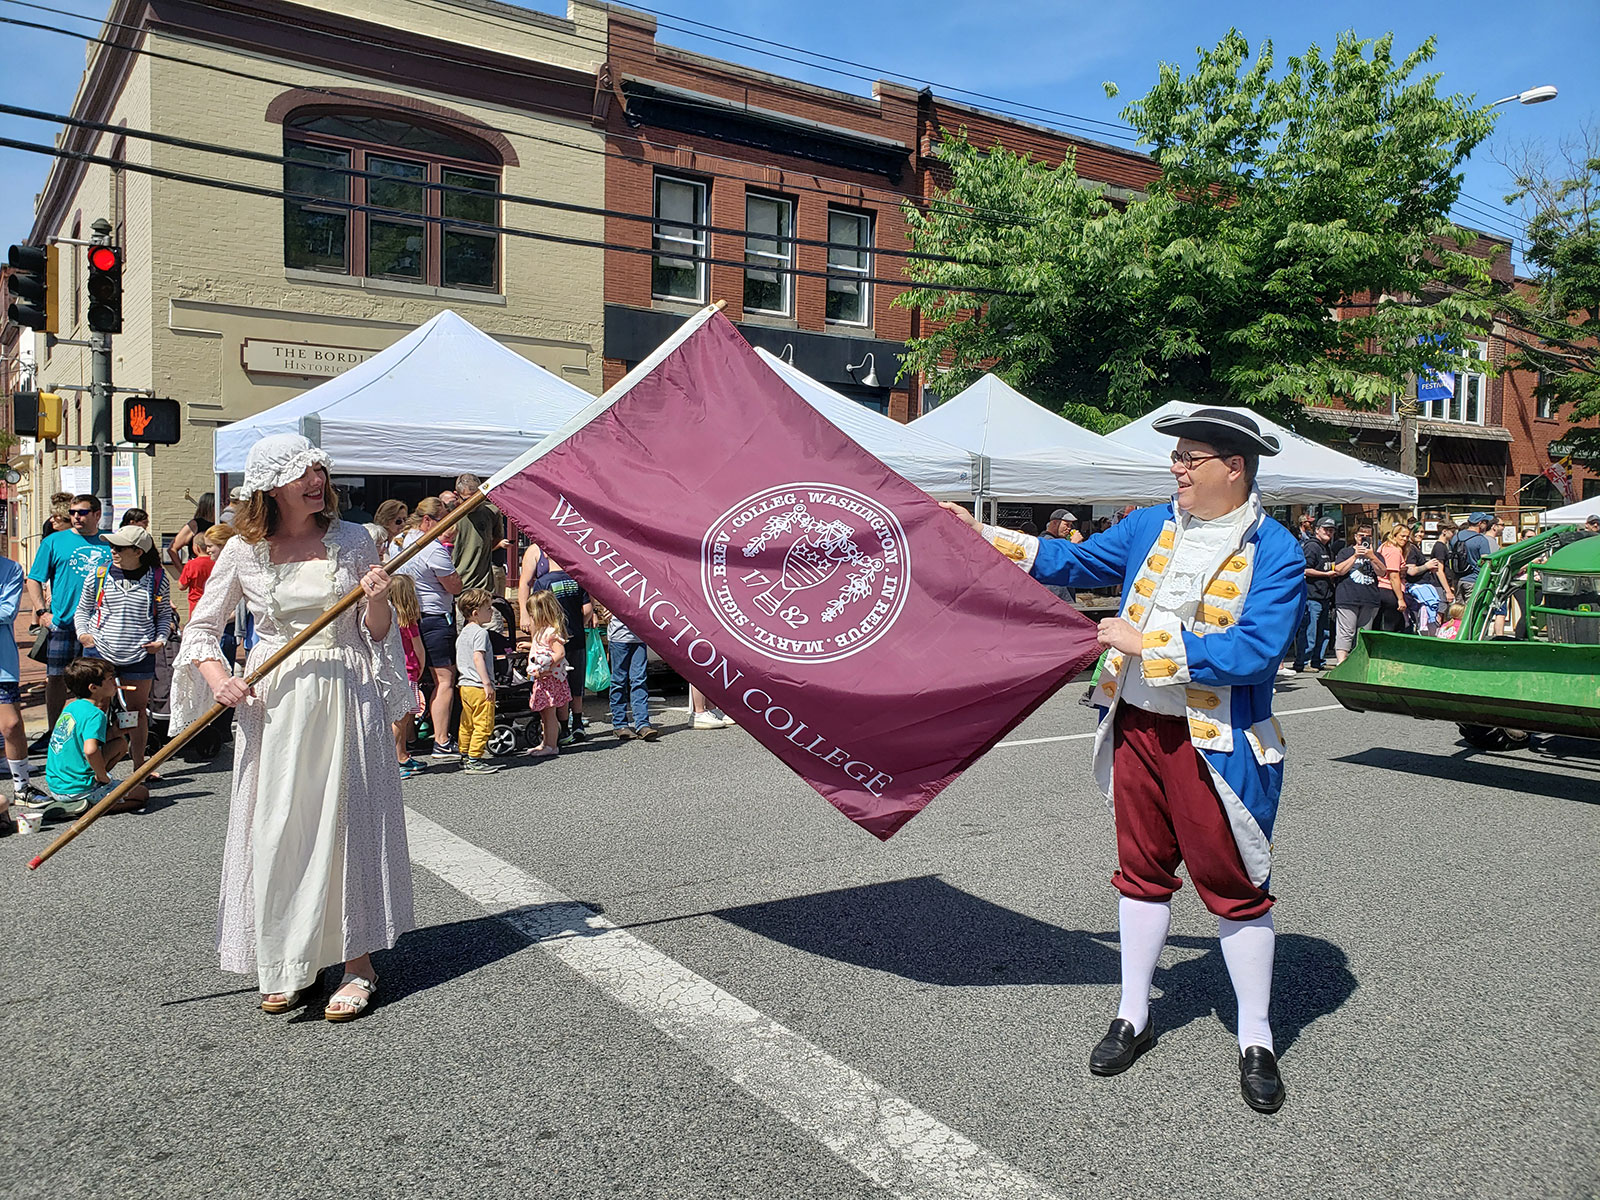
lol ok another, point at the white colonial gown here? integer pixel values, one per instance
(316, 870)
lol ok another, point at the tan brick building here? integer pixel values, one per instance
(371, 103)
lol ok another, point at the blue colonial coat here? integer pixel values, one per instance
(1226, 658)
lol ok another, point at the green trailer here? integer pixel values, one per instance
(1527, 658)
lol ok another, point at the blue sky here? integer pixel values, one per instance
(1050, 53)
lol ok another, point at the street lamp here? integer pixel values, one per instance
(1534, 95)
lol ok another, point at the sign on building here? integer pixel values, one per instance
(262, 357)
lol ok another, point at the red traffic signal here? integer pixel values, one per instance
(105, 289)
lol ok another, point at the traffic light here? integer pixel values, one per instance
(152, 421)
(34, 272)
(105, 289)
(36, 415)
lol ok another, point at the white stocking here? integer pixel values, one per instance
(1144, 931)
(1247, 948)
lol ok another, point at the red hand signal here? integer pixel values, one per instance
(138, 420)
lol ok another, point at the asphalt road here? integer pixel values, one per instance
(671, 970)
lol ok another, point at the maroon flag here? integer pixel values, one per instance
(861, 633)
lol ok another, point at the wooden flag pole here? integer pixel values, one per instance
(260, 673)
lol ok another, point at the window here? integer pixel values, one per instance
(768, 283)
(1460, 397)
(119, 193)
(849, 267)
(678, 270)
(77, 272)
(437, 191)
(1544, 405)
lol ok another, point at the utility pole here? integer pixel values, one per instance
(100, 402)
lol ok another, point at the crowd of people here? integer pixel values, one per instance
(316, 871)
(109, 598)
(1405, 577)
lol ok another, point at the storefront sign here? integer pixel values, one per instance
(299, 358)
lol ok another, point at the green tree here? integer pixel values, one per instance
(1556, 330)
(1281, 196)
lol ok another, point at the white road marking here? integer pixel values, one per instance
(886, 1138)
(1078, 737)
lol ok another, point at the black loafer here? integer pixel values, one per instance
(1259, 1081)
(1116, 1052)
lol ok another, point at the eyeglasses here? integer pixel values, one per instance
(80, 512)
(1188, 458)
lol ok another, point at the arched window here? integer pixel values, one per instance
(399, 157)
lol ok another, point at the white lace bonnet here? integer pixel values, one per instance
(278, 459)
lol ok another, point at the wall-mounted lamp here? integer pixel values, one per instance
(1424, 447)
(1389, 445)
(1354, 438)
(788, 353)
(871, 377)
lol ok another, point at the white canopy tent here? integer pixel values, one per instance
(1303, 473)
(944, 471)
(444, 399)
(1572, 514)
(1033, 455)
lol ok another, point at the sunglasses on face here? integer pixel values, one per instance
(80, 512)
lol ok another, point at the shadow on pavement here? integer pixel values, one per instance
(1481, 768)
(926, 930)
(426, 958)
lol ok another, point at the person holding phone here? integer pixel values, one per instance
(1356, 594)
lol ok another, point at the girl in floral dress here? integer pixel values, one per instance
(547, 665)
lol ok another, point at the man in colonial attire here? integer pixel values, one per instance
(1188, 750)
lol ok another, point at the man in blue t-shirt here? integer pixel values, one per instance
(1471, 547)
(64, 562)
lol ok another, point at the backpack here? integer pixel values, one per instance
(1461, 563)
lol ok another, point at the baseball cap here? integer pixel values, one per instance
(1060, 514)
(131, 536)
(1327, 523)
(1478, 516)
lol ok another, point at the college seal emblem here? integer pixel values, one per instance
(807, 572)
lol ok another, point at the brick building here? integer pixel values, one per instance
(695, 140)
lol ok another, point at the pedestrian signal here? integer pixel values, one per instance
(33, 276)
(153, 422)
(105, 289)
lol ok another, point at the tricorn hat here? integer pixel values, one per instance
(1225, 428)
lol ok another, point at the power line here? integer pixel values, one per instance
(252, 189)
(476, 193)
(990, 216)
(881, 71)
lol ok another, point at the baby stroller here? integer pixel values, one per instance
(513, 690)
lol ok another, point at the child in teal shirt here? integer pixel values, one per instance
(83, 747)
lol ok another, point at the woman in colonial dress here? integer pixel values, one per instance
(316, 870)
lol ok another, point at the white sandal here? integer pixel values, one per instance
(285, 1001)
(352, 1006)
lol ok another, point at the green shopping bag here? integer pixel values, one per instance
(597, 676)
